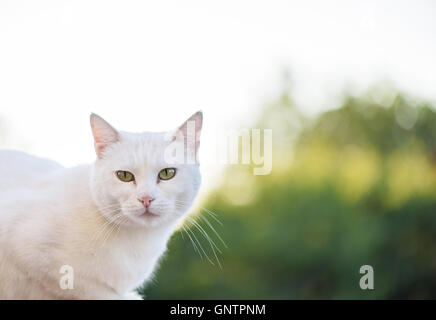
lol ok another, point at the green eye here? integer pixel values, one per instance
(125, 176)
(167, 173)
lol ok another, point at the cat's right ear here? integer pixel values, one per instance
(104, 134)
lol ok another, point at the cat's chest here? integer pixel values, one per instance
(128, 264)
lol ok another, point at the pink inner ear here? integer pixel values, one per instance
(99, 147)
(104, 134)
(101, 141)
(197, 140)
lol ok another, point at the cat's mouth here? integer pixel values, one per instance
(145, 216)
(148, 214)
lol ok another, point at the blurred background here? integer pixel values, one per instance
(348, 88)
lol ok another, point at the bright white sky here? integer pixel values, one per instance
(148, 65)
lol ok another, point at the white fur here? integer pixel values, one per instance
(85, 217)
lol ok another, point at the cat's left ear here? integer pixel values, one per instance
(104, 134)
(191, 130)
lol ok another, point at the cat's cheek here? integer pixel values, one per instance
(122, 193)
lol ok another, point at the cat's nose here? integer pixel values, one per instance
(146, 200)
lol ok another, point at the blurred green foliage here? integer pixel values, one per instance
(354, 186)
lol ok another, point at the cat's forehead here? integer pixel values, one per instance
(145, 139)
(139, 150)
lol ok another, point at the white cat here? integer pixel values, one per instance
(108, 222)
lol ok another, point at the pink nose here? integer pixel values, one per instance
(146, 200)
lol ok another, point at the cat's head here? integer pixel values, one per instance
(136, 179)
